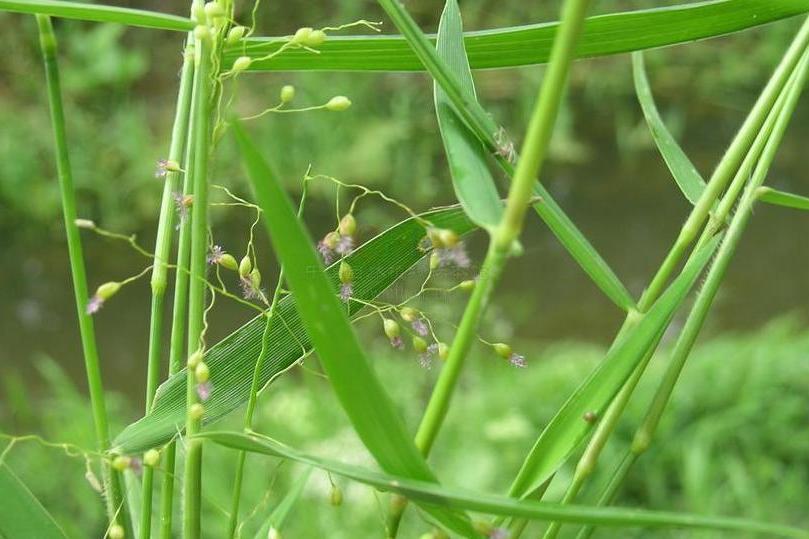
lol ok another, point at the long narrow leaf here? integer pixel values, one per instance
(568, 427)
(21, 514)
(685, 173)
(365, 401)
(280, 512)
(782, 198)
(377, 264)
(99, 13)
(431, 493)
(473, 183)
(531, 44)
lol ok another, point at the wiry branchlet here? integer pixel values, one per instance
(467, 285)
(245, 266)
(85, 223)
(235, 35)
(116, 531)
(151, 458)
(121, 462)
(348, 225)
(338, 103)
(196, 411)
(336, 496)
(287, 93)
(301, 35)
(194, 360)
(202, 373)
(242, 63)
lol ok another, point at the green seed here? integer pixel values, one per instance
(202, 373)
(227, 261)
(245, 266)
(287, 93)
(502, 349)
(467, 286)
(196, 411)
(419, 344)
(235, 35)
(255, 278)
(121, 462)
(345, 273)
(242, 63)
(338, 103)
(301, 35)
(408, 314)
(315, 38)
(107, 290)
(194, 359)
(348, 225)
(391, 328)
(151, 458)
(336, 497)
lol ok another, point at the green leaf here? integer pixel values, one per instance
(365, 401)
(782, 198)
(613, 33)
(99, 13)
(568, 428)
(685, 173)
(473, 183)
(431, 493)
(281, 511)
(377, 264)
(21, 514)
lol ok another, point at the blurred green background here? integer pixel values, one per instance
(735, 439)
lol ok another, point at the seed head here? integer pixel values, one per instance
(242, 63)
(121, 462)
(408, 314)
(315, 38)
(255, 279)
(419, 345)
(287, 93)
(227, 261)
(194, 359)
(338, 103)
(235, 35)
(502, 349)
(202, 373)
(448, 237)
(151, 458)
(392, 329)
(273, 534)
(116, 531)
(107, 290)
(164, 166)
(245, 266)
(590, 416)
(196, 411)
(198, 12)
(467, 286)
(348, 225)
(346, 273)
(301, 35)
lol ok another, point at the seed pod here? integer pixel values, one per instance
(202, 373)
(467, 286)
(202, 33)
(84, 223)
(214, 11)
(151, 458)
(196, 410)
(121, 462)
(348, 225)
(502, 349)
(331, 240)
(116, 531)
(107, 290)
(338, 103)
(448, 237)
(336, 497)
(194, 359)
(255, 279)
(242, 63)
(315, 38)
(435, 260)
(287, 93)
(443, 351)
(301, 35)
(235, 35)
(227, 261)
(408, 314)
(245, 266)
(392, 329)
(419, 345)
(345, 273)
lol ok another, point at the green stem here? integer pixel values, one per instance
(537, 137)
(112, 480)
(160, 269)
(778, 122)
(201, 134)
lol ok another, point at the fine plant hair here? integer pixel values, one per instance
(323, 286)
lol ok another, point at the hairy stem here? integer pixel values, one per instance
(116, 511)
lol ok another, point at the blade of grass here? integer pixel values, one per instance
(473, 183)
(430, 493)
(98, 13)
(569, 427)
(112, 480)
(782, 198)
(365, 401)
(21, 514)
(280, 512)
(682, 169)
(377, 264)
(612, 33)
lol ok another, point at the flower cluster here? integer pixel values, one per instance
(426, 351)
(338, 243)
(449, 250)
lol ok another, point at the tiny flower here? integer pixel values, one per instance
(420, 326)
(151, 458)
(517, 360)
(215, 255)
(426, 357)
(397, 343)
(204, 390)
(196, 411)
(182, 203)
(346, 292)
(453, 256)
(338, 103)
(336, 496)
(287, 93)
(345, 245)
(164, 166)
(249, 291)
(235, 35)
(136, 465)
(94, 305)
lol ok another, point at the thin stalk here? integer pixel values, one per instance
(116, 511)
(587, 462)
(538, 134)
(716, 274)
(162, 250)
(254, 389)
(177, 343)
(200, 137)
